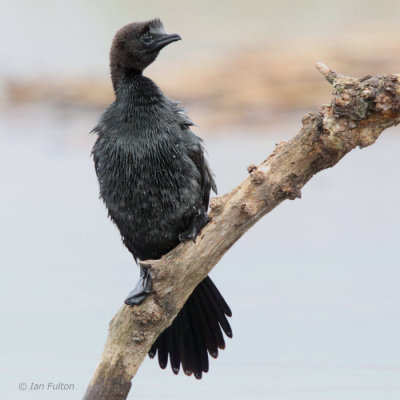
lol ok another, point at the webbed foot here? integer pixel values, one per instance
(197, 224)
(141, 290)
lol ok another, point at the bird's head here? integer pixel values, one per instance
(137, 45)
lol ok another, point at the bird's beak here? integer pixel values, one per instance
(163, 40)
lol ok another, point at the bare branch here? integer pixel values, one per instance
(360, 110)
(330, 76)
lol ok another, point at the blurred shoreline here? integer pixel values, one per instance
(252, 87)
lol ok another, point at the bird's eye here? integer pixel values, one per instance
(146, 38)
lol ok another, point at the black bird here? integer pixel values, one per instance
(155, 183)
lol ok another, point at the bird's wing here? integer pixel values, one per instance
(195, 150)
(196, 153)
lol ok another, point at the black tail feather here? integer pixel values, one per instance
(207, 332)
(174, 355)
(187, 345)
(153, 349)
(218, 312)
(163, 350)
(217, 295)
(212, 319)
(200, 344)
(195, 331)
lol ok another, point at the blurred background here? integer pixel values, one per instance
(314, 287)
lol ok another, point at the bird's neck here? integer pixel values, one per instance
(130, 86)
(120, 74)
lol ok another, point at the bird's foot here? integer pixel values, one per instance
(197, 224)
(142, 288)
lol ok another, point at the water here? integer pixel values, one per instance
(313, 286)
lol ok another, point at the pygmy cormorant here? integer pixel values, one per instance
(155, 183)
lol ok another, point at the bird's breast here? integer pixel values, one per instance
(150, 187)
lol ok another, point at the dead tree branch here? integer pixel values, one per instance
(360, 110)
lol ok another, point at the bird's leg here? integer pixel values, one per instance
(199, 221)
(142, 288)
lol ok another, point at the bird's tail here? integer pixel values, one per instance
(195, 331)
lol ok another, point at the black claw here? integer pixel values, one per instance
(188, 235)
(198, 223)
(141, 290)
